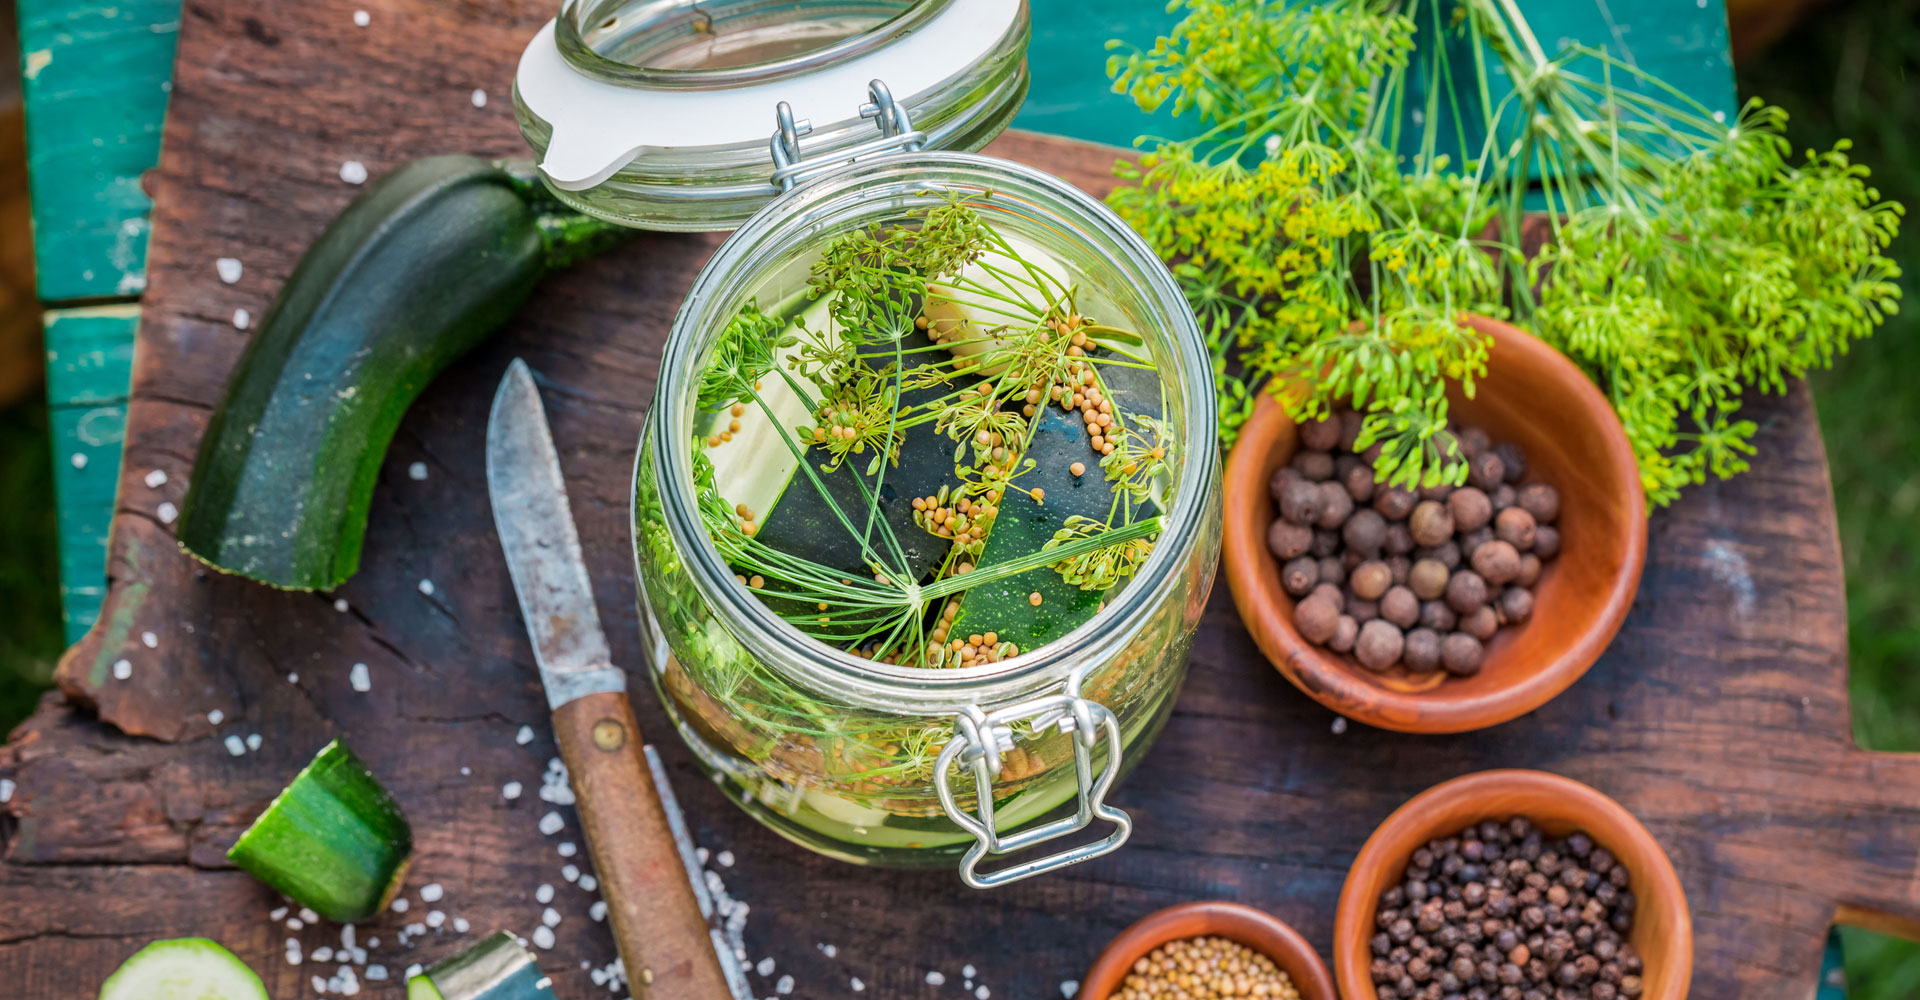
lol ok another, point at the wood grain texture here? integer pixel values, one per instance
(1718, 716)
(657, 925)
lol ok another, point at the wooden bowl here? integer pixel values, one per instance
(1662, 931)
(1262, 932)
(1531, 396)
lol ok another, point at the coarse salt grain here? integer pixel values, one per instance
(982, 993)
(340, 605)
(319, 985)
(426, 587)
(784, 986)
(543, 937)
(524, 736)
(362, 19)
(828, 950)
(277, 914)
(544, 894)
(936, 978)
(309, 916)
(122, 669)
(359, 678)
(570, 872)
(417, 471)
(253, 741)
(567, 849)
(431, 892)
(479, 98)
(376, 973)
(6, 789)
(598, 911)
(588, 883)
(460, 925)
(765, 966)
(236, 746)
(967, 971)
(551, 824)
(701, 854)
(400, 905)
(156, 479)
(413, 970)
(466, 772)
(242, 319)
(215, 716)
(353, 172)
(229, 269)
(510, 790)
(725, 858)
(295, 923)
(323, 954)
(79, 460)
(435, 918)
(856, 985)
(167, 512)
(293, 678)
(1069, 987)
(1339, 724)
(149, 640)
(550, 917)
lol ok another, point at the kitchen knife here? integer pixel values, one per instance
(665, 943)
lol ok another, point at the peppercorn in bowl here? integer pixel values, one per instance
(1512, 885)
(1426, 611)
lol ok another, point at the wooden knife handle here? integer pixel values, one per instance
(663, 940)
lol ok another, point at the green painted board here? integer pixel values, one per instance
(95, 76)
(89, 363)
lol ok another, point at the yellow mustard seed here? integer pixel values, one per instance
(1078, 468)
(1034, 598)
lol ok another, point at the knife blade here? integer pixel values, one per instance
(659, 925)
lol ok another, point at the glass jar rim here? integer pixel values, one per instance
(894, 687)
(575, 15)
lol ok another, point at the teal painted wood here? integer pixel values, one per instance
(89, 363)
(95, 76)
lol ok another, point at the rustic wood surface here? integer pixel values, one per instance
(1719, 716)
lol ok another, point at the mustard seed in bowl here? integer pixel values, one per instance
(1204, 968)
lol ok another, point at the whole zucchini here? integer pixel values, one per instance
(422, 266)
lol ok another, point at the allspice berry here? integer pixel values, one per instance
(1497, 562)
(1350, 422)
(1399, 565)
(1462, 654)
(1365, 531)
(1300, 501)
(1466, 592)
(1299, 575)
(1325, 543)
(1482, 623)
(1335, 505)
(1345, 633)
(1515, 527)
(1540, 500)
(1437, 616)
(1430, 523)
(1472, 540)
(1394, 503)
(1473, 440)
(1446, 554)
(1529, 569)
(1287, 540)
(1359, 482)
(1362, 610)
(1370, 579)
(1330, 592)
(1546, 541)
(1320, 435)
(1422, 650)
(1332, 570)
(1399, 540)
(1379, 645)
(1428, 579)
(1470, 508)
(1486, 470)
(1315, 465)
(1513, 461)
(1279, 480)
(1316, 619)
(1502, 497)
(1515, 605)
(1399, 606)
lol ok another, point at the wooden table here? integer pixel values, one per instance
(1719, 715)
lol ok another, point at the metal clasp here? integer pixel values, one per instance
(980, 738)
(897, 134)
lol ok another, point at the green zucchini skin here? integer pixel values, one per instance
(422, 266)
(334, 840)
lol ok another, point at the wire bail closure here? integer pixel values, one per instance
(897, 134)
(981, 739)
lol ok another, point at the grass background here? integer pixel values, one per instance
(1851, 70)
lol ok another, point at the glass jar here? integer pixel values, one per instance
(857, 759)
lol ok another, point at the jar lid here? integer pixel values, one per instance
(655, 113)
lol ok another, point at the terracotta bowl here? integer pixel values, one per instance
(1536, 398)
(1662, 931)
(1244, 924)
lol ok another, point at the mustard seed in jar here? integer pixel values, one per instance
(1205, 968)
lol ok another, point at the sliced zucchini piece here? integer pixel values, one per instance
(497, 968)
(334, 840)
(183, 969)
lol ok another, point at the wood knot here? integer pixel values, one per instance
(609, 734)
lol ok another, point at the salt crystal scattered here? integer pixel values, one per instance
(340, 605)
(510, 790)
(784, 986)
(353, 172)
(149, 640)
(544, 894)
(598, 910)
(295, 923)
(323, 954)
(967, 971)
(236, 746)
(417, 471)
(982, 993)
(551, 824)
(426, 587)
(599, 976)
(215, 716)
(460, 925)
(293, 678)
(466, 772)
(725, 858)
(550, 917)
(828, 950)
(229, 268)
(567, 849)
(359, 678)
(413, 970)
(543, 937)
(588, 883)
(435, 918)
(359, 956)
(400, 905)
(416, 929)
(277, 914)
(373, 942)
(309, 916)
(765, 966)
(376, 973)
(156, 479)
(242, 319)
(360, 19)
(936, 978)
(856, 985)
(1069, 987)
(701, 854)
(570, 872)
(79, 460)
(524, 736)
(293, 957)
(6, 789)
(319, 985)
(431, 892)
(253, 741)
(1339, 724)
(167, 512)
(479, 98)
